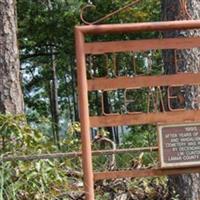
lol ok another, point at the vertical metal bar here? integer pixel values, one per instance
(84, 116)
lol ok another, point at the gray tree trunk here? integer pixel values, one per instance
(187, 186)
(11, 98)
(54, 101)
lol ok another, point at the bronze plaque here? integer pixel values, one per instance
(179, 145)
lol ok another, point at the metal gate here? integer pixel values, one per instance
(85, 86)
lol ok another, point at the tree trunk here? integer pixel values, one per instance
(54, 100)
(187, 186)
(73, 88)
(11, 98)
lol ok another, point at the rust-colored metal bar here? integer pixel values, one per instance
(143, 173)
(141, 45)
(143, 81)
(41, 157)
(75, 154)
(145, 118)
(131, 150)
(84, 117)
(139, 27)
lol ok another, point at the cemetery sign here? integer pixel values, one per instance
(179, 145)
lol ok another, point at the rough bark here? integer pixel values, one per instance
(187, 186)
(11, 98)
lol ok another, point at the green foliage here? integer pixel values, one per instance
(37, 22)
(43, 26)
(17, 136)
(72, 141)
(32, 180)
(141, 136)
(42, 179)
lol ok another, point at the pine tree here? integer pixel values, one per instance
(11, 98)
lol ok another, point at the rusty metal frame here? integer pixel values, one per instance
(84, 86)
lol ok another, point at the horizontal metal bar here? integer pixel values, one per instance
(145, 118)
(143, 81)
(137, 27)
(144, 173)
(131, 150)
(141, 45)
(75, 154)
(41, 156)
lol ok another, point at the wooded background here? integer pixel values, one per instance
(37, 64)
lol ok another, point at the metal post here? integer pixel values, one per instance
(84, 117)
